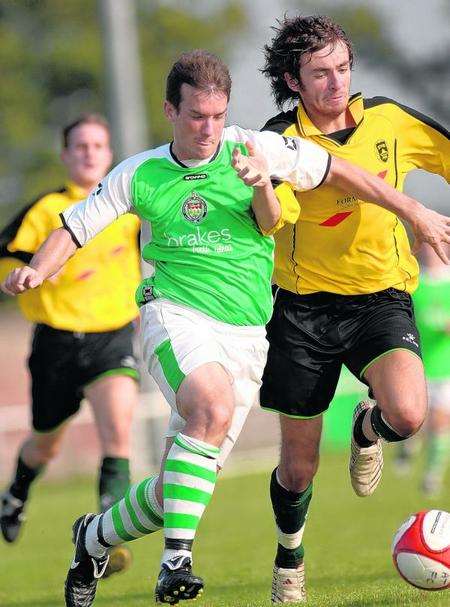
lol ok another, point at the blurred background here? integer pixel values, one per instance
(58, 59)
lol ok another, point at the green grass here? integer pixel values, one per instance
(347, 546)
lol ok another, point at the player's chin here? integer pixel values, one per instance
(205, 150)
(336, 106)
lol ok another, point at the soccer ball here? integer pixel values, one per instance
(421, 550)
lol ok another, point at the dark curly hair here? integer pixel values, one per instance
(295, 38)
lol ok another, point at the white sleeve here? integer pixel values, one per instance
(108, 201)
(298, 161)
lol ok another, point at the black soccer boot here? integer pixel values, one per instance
(176, 581)
(85, 570)
(11, 516)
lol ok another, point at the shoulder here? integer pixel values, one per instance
(130, 165)
(36, 205)
(281, 122)
(46, 200)
(391, 107)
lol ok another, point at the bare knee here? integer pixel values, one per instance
(296, 475)
(406, 414)
(212, 419)
(114, 437)
(299, 460)
(398, 383)
(406, 422)
(40, 452)
(205, 399)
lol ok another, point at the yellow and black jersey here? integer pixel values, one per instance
(94, 291)
(329, 240)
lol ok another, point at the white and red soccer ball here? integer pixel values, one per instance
(421, 550)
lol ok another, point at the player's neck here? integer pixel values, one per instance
(330, 124)
(86, 187)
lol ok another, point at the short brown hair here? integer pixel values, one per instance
(84, 119)
(199, 69)
(295, 38)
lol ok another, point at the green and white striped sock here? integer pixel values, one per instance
(135, 515)
(189, 479)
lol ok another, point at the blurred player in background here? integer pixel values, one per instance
(344, 273)
(83, 336)
(432, 310)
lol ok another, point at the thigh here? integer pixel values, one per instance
(55, 382)
(384, 323)
(304, 358)
(245, 355)
(385, 354)
(397, 381)
(176, 341)
(113, 400)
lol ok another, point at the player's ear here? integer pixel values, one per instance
(170, 111)
(292, 82)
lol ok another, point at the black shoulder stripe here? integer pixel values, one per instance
(281, 122)
(20, 255)
(374, 101)
(8, 233)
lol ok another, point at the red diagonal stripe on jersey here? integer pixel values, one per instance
(85, 275)
(334, 220)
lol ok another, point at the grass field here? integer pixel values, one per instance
(347, 542)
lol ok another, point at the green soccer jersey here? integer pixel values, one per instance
(205, 246)
(432, 309)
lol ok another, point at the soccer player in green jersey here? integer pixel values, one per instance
(432, 308)
(207, 197)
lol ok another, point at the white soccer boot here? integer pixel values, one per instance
(288, 585)
(366, 463)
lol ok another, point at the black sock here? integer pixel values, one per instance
(382, 428)
(114, 480)
(358, 433)
(23, 479)
(290, 509)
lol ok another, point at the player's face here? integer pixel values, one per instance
(198, 122)
(88, 155)
(324, 83)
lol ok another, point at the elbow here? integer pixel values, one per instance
(337, 173)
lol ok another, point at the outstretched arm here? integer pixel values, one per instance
(49, 259)
(305, 165)
(427, 225)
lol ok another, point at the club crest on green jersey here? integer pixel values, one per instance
(194, 208)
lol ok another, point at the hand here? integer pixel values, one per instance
(432, 228)
(20, 280)
(252, 169)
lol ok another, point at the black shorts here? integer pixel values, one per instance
(62, 363)
(312, 336)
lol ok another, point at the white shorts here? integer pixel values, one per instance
(178, 339)
(439, 394)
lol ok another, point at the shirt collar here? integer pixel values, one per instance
(308, 129)
(75, 191)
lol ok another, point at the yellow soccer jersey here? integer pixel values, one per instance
(94, 291)
(328, 240)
